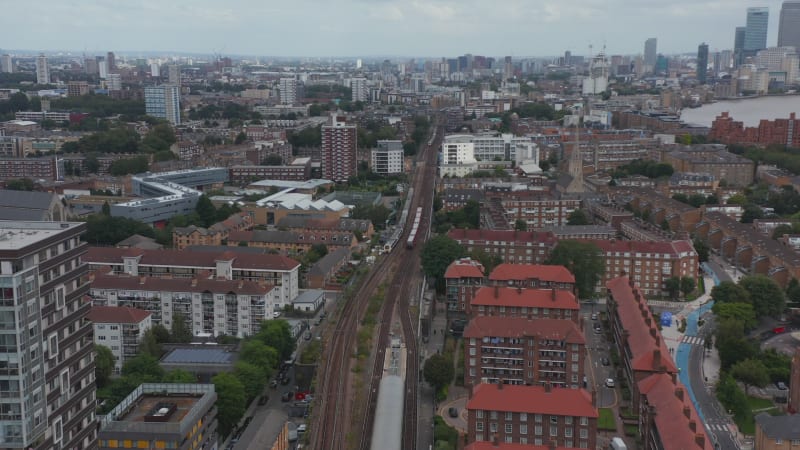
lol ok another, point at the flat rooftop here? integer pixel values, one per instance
(203, 354)
(146, 404)
(15, 235)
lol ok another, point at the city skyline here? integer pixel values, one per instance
(310, 28)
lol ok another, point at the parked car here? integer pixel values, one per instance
(263, 400)
(301, 428)
(285, 380)
(598, 331)
(781, 385)
(452, 411)
(273, 384)
(605, 362)
(594, 316)
(287, 396)
(610, 382)
(276, 314)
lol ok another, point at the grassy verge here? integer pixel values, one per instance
(445, 437)
(631, 430)
(606, 420)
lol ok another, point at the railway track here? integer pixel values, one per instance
(399, 268)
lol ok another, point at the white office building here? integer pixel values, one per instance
(458, 156)
(42, 70)
(387, 158)
(119, 328)
(163, 102)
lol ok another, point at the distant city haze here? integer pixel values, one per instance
(363, 28)
(748, 111)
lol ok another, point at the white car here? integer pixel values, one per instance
(276, 314)
(301, 428)
(610, 382)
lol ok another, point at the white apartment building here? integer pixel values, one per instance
(6, 64)
(163, 102)
(42, 70)
(268, 269)
(780, 59)
(119, 328)
(360, 90)
(387, 158)
(216, 307)
(288, 90)
(458, 156)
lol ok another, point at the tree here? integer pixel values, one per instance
(437, 254)
(793, 291)
(231, 401)
(272, 159)
(730, 292)
(438, 371)
(179, 376)
(488, 261)
(672, 285)
(578, 217)
(252, 377)
(688, 285)
(160, 332)
(751, 212)
(751, 372)
(736, 199)
(732, 344)
(180, 331)
(377, 214)
(739, 311)
(582, 259)
(767, 298)
(702, 249)
(20, 184)
(259, 354)
(106, 209)
(733, 398)
(104, 365)
(520, 225)
(240, 138)
(149, 345)
(205, 209)
(143, 365)
(278, 335)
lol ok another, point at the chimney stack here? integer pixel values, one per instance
(497, 291)
(656, 358)
(687, 412)
(701, 440)
(547, 386)
(552, 445)
(679, 393)
(693, 426)
(653, 332)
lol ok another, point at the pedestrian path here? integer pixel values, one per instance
(718, 426)
(693, 340)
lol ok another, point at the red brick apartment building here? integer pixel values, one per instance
(667, 418)
(521, 351)
(531, 247)
(537, 415)
(535, 208)
(462, 278)
(526, 303)
(503, 446)
(537, 276)
(778, 131)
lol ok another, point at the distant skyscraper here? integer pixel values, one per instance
(789, 26)
(702, 63)
(155, 70)
(42, 70)
(359, 89)
(738, 46)
(114, 82)
(662, 65)
(288, 90)
(6, 64)
(650, 53)
(102, 67)
(338, 150)
(174, 73)
(508, 68)
(111, 60)
(163, 102)
(755, 36)
(90, 66)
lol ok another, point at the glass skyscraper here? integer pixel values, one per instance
(789, 27)
(755, 36)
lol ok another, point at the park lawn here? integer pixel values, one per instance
(606, 420)
(756, 403)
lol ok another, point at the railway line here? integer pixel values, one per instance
(399, 269)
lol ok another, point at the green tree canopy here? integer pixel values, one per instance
(143, 365)
(105, 230)
(179, 376)
(520, 225)
(252, 377)
(259, 354)
(688, 285)
(20, 184)
(739, 311)
(578, 217)
(767, 297)
(582, 259)
(730, 292)
(438, 371)
(377, 214)
(751, 372)
(180, 331)
(732, 343)
(149, 345)
(702, 249)
(206, 210)
(278, 335)
(231, 401)
(104, 365)
(673, 286)
(272, 159)
(437, 254)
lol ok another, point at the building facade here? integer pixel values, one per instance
(755, 35)
(520, 351)
(42, 70)
(789, 25)
(47, 359)
(522, 247)
(338, 151)
(119, 328)
(387, 158)
(462, 278)
(508, 302)
(538, 415)
(163, 102)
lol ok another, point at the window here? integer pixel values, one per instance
(553, 430)
(479, 414)
(509, 439)
(523, 429)
(584, 421)
(523, 417)
(568, 420)
(493, 415)
(568, 433)
(538, 418)
(493, 427)
(553, 419)
(478, 426)
(57, 431)
(509, 415)
(584, 433)
(509, 428)
(538, 430)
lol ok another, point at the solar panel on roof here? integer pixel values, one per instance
(198, 356)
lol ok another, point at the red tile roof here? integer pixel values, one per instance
(532, 400)
(503, 446)
(117, 314)
(531, 298)
(518, 327)
(673, 248)
(464, 268)
(126, 282)
(648, 350)
(185, 258)
(557, 274)
(671, 413)
(503, 235)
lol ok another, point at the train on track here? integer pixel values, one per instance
(412, 235)
(387, 429)
(388, 246)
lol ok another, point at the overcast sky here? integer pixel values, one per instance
(364, 28)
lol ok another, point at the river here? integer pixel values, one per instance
(747, 110)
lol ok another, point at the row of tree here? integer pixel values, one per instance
(122, 139)
(648, 168)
